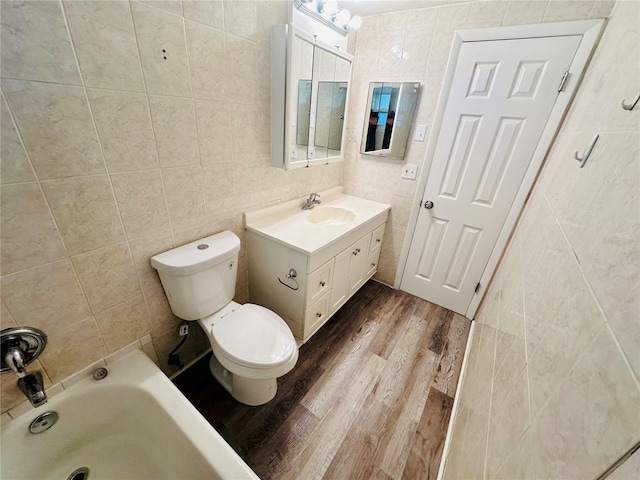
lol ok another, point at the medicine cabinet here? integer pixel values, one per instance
(390, 110)
(309, 93)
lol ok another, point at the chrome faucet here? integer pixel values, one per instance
(19, 347)
(311, 202)
(32, 386)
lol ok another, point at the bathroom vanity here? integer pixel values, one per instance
(305, 264)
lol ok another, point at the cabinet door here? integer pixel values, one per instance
(372, 263)
(340, 284)
(316, 315)
(319, 282)
(376, 238)
(359, 254)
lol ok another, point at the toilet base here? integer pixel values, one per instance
(245, 390)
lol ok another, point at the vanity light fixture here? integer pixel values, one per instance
(331, 14)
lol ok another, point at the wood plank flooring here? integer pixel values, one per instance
(370, 397)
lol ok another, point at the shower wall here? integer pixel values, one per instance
(552, 386)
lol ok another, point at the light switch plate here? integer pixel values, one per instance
(420, 133)
(409, 171)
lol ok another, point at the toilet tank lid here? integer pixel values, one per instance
(199, 255)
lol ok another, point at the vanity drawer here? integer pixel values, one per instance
(372, 263)
(316, 315)
(319, 282)
(376, 238)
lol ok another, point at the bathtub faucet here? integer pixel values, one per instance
(19, 347)
(32, 386)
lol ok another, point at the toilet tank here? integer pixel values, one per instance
(199, 278)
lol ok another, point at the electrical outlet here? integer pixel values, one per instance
(420, 133)
(184, 330)
(409, 171)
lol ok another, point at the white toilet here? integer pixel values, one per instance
(252, 346)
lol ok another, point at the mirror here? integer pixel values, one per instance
(390, 110)
(332, 99)
(311, 81)
(331, 75)
(304, 110)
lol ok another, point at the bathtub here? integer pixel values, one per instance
(133, 424)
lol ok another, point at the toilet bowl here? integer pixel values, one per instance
(252, 346)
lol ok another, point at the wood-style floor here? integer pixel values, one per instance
(370, 397)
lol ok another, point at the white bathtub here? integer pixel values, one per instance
(133, 424)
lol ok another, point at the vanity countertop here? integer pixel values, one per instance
(288, 224)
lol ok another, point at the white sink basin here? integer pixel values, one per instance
(330, 216)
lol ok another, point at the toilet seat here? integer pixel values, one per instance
(252, 341)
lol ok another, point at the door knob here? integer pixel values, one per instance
(428, 204)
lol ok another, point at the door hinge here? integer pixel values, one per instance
(477, 288)
(562, 82)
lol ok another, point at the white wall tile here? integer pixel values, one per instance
(242, 70)
(142, 249)
(124, 128)
(240, 18)
(214, 124)
(209, 12)
(124, 323)
(268, 13)
(83, 339)
(48, 297)
(162, 51)
(626, 327)
(85, 211)
(29, 235)
(107, 276)
(172, 6)
(207, 62)
(174, 123)
(592, 419)
(488, 12)
(563, 10)
(218, 188)
(105, 43)
(524, 12)
(14, 163)
(142, 204)
(629, 469)
(185, 197)
(56, 127)
(35, 43)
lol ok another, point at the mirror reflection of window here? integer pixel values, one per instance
(383, 103)
(391, 110)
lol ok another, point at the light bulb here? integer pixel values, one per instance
(342, 18)
(355, 23)
(330, 8)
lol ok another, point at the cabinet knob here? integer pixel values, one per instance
(318, 314)
(377, 240)
(373, 264)
(355, 252)
(322, 284)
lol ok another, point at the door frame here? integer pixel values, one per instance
(591, 30)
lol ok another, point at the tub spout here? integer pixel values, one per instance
(32, 386)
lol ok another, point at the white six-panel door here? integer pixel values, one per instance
(500, 100)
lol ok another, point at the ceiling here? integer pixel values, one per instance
(375, 7)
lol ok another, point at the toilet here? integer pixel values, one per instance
(252, 346)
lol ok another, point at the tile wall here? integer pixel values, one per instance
(552, 386)
(414, 46)
(128, 128)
